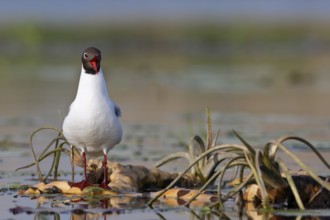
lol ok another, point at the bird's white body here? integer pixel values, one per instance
(92, 123)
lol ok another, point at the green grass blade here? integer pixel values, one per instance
(250, 148)
(291, 184)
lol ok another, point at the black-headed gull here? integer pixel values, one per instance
(92, 123)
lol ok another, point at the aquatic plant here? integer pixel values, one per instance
(58, 143)
(212, 162)
(209, 162)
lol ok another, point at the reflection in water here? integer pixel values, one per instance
(93, 207)
(99, 207)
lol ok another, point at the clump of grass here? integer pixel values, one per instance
(212, 161)
(54, 148)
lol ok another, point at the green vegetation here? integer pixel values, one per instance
(214, 43)
(212, 161)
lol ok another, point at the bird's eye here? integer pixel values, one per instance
(85, 55)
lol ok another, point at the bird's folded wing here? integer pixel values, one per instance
(117, 110)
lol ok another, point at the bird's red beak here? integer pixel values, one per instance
(93, 64)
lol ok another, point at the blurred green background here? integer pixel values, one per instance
(165, 61)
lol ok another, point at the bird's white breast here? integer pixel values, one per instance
(91, 123)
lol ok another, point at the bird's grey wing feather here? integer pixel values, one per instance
(70, 107)
(117, 110)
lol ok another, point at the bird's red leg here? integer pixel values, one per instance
(84, 182)
(105, 159)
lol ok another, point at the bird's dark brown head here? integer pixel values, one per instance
(91, 60)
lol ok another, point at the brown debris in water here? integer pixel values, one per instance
(311, 193)
(131, 178)
(179, 196)
(121, 179)
(132, 181)
(129, 181)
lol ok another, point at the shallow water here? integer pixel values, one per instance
(161, 111)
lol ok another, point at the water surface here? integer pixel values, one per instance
(161, 109)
